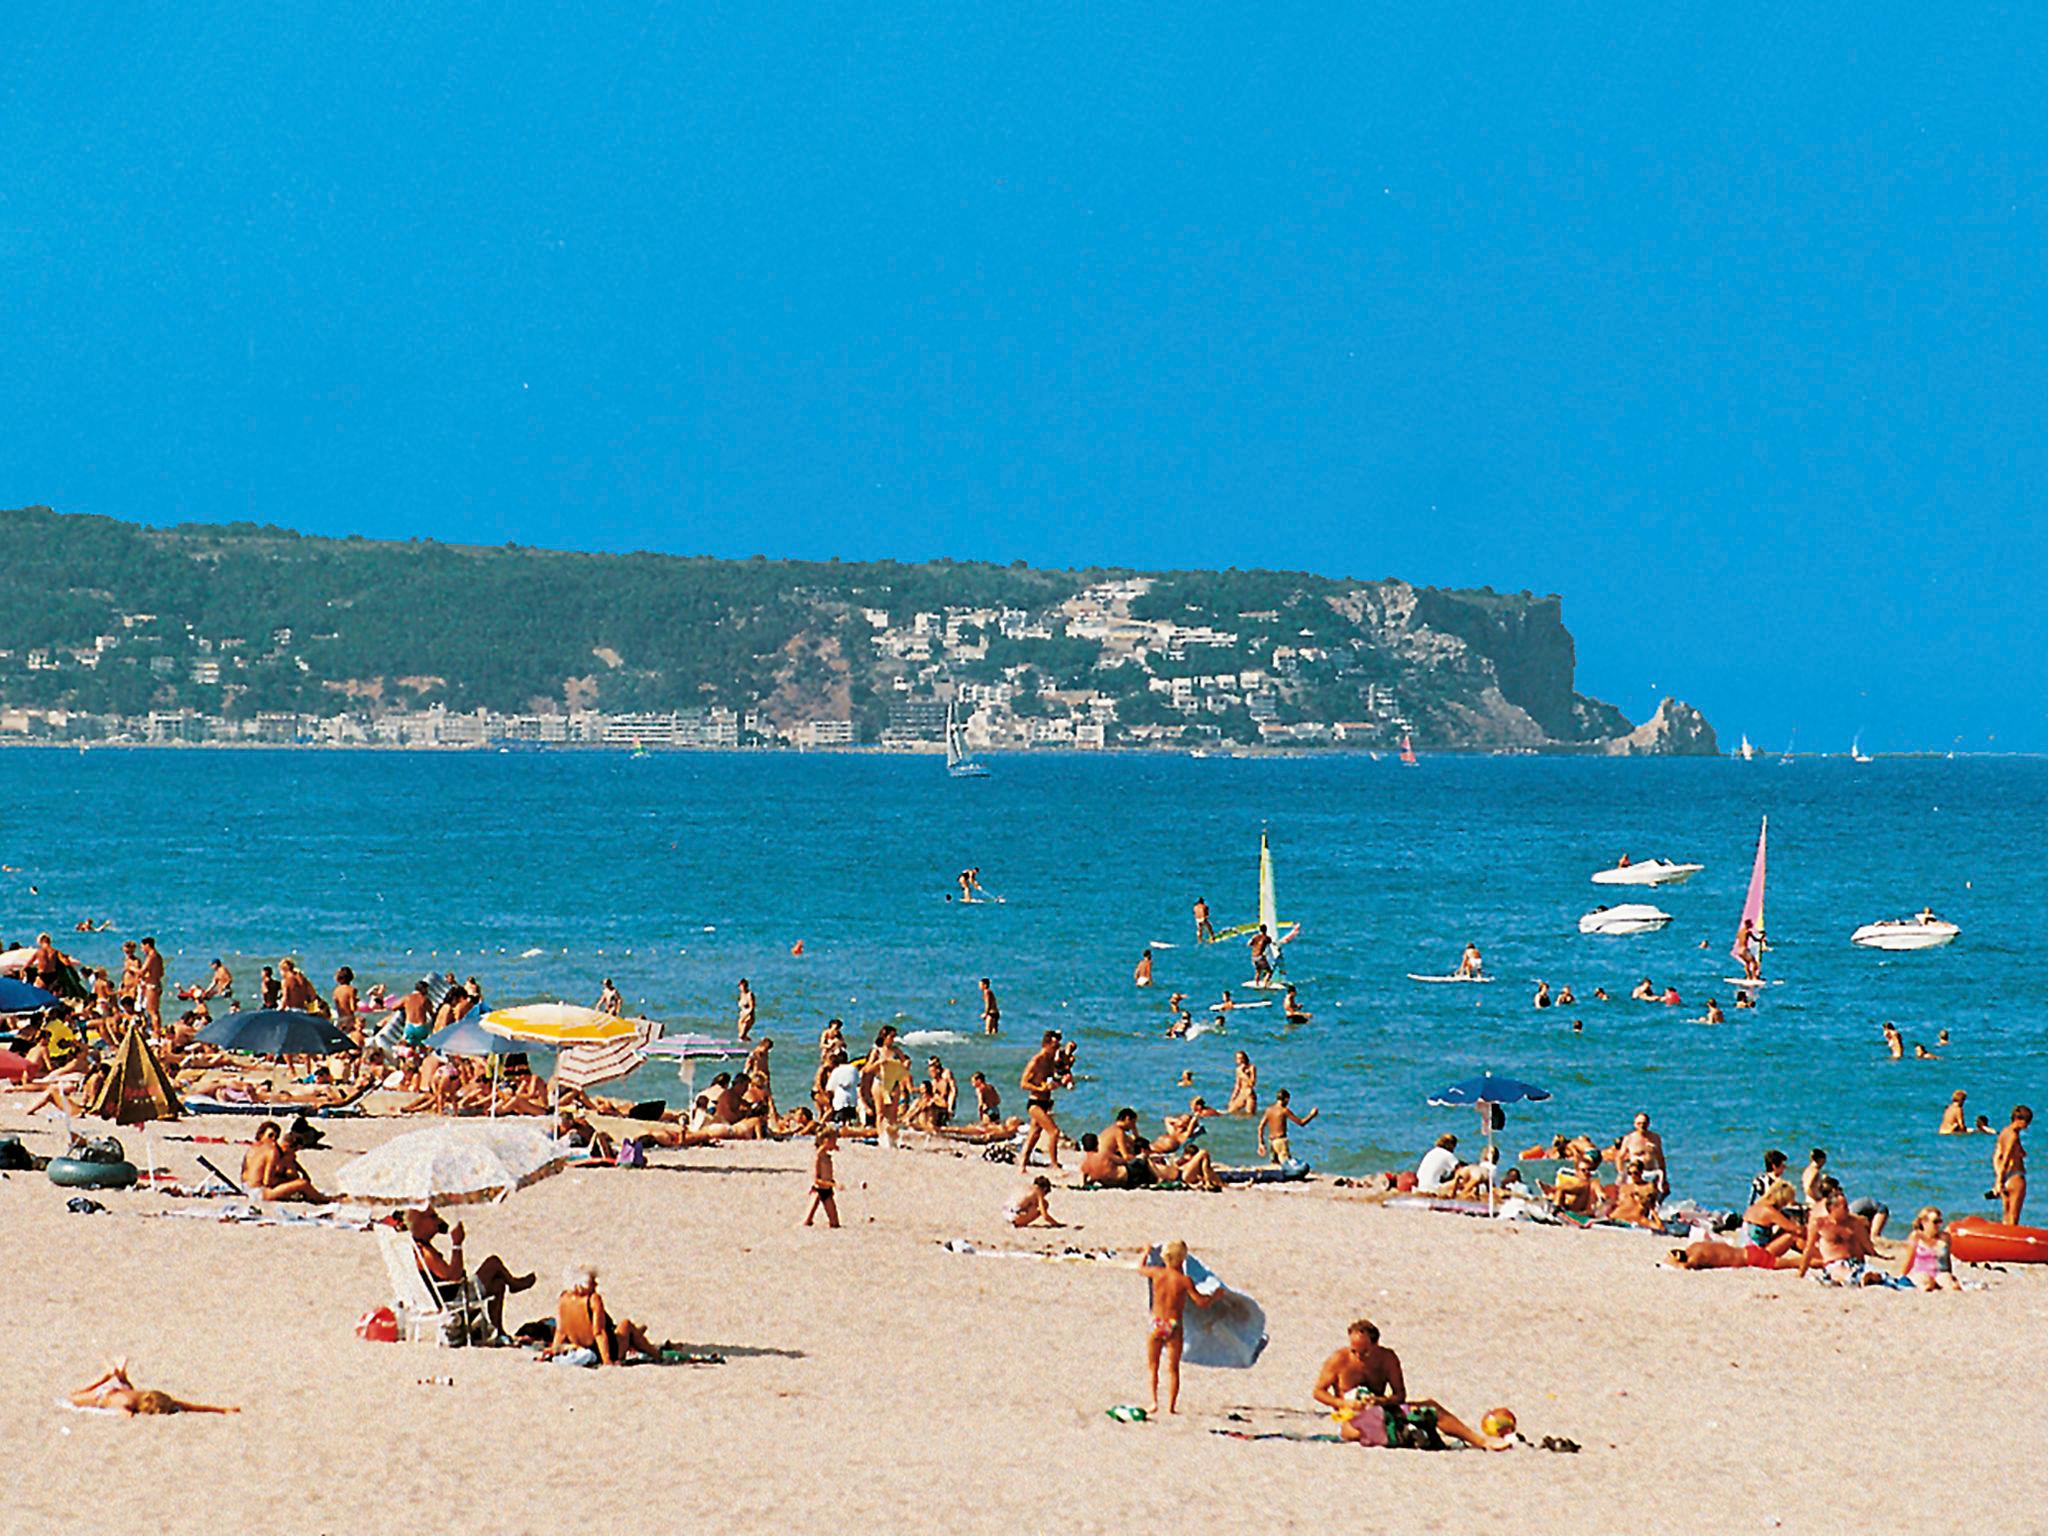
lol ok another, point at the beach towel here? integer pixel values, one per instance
(1229, 1333)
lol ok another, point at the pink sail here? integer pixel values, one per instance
(1752, 928)
(1407, 751)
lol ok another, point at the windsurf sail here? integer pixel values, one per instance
(1748, 751)
(1269, 906)
(1407, 752)
(958, 763)
(1751, 930)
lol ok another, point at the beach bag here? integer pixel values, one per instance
(632, 1153)
(378, 1325)
(1413, 1429)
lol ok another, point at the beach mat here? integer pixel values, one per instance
(1229, 1333)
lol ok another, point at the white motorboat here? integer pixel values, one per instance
(1923, 932)
(1649, 872)
(1629, 917)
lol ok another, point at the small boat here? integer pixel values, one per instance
(1923, 932)
(1629, 917)
(1973, 1240)
(1649, 872)
(1746, 752)
(959, 764)
(1407, 752)
(1856, 752)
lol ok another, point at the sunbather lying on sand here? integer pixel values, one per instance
(117, 1394)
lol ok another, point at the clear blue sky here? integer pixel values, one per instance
(1727, 325)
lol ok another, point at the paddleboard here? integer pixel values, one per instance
(1745, 984)
(1266, 986)
(1229, 1333)
(1442, 980)
(1238, 1007)
(1161, 944)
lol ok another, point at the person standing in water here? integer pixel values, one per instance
(1172, 1290)
(746, 1009)
(1274, 1124)
(1244, 1092)
(2009, 1166)
(991, 1014)
(1142, 976)
(1205, 931)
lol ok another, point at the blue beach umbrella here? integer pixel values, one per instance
(20, 997)
(1482, 1093)
(468, 1037)
(276, 1032)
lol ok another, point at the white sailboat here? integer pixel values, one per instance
(958, 763)
(1746, 752)
(1856, 752)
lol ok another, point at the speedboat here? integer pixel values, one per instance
(1649, 872)
(1629, 917)
(1923, 932)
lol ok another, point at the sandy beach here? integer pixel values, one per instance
(873, 1378)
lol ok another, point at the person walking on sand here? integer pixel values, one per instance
(991, 1014)
(2009, 1165)
(1172, 1290)
(1364, 1378)
(746, 1012)
(1037, 1083)
(1273, 1126)
(823, 1185)
(1244, 1092)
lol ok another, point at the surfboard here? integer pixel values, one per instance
(1440, 980)
(1239, 1007)
(1745, 984)
(1229, 1333)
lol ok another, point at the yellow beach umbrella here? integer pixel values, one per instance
(556, 1024)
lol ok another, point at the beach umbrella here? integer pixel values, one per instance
(468, 1037)
(276, 1032)
(137, 1090)
(556, 1023)
(20, 997)
(1483, 1093)
(450, 1164)
(14, 961)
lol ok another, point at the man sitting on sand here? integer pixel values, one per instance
(1362, 1386)
(581, 1323)
(1172, 1290)
(1577, 1189)
(1635, 1198)
(271, 1171)
(1837, 1240)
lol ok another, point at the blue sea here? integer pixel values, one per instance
(678, 874)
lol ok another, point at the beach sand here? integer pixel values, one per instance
(875, 1380)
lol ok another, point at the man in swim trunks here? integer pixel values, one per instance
(824, 1186)
(1645, 1146)
(746, 1009)
(1172, 1290)
(1837, 1240)
(1141, 974)
(1037, 1083)
(988, 1104)
(1273, 1126)
(1469, 963)
(945, 1091)
(1205, 931)
(991, 1014)
(493, 1280)
(150, 992)
(1366, 1376)
(1261, 946)
(2009, 1165)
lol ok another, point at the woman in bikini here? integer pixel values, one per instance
(1244, 1092)
(115, 1393)
(581, 1322)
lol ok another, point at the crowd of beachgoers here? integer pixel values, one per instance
(393, 1062)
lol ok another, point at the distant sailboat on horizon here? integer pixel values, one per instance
(1407, 751)
(1856, 752)
(1746, 752)
(959, 764)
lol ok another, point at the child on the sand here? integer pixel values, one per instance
(822, 1182)
(1172, 1290)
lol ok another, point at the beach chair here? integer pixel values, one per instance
(447, 1314)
